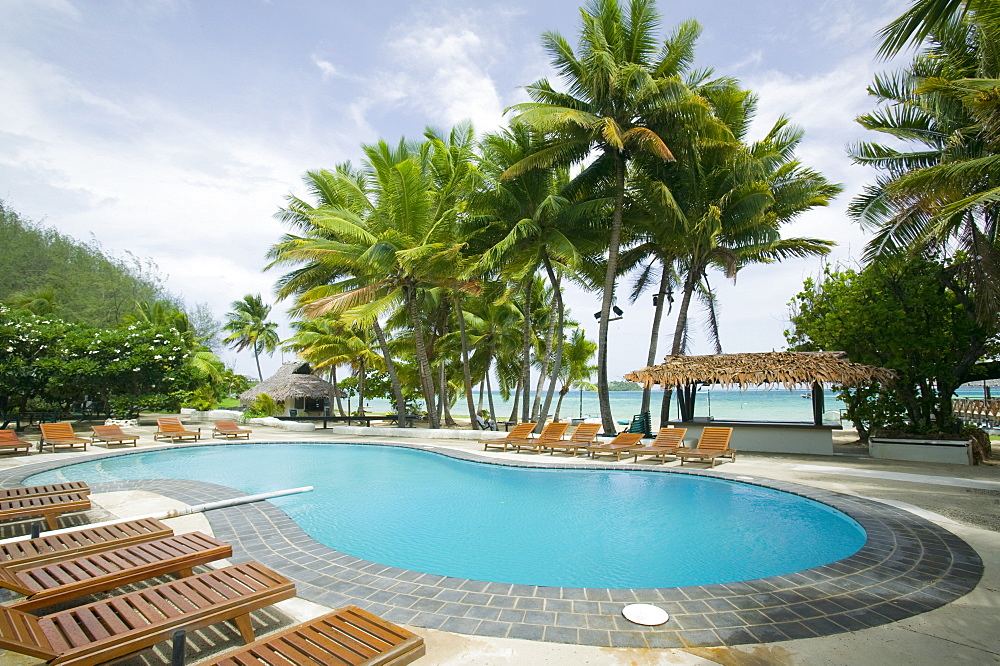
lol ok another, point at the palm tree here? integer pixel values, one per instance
(578, 353)
(940, 191)
(390, 238)
(722, 205)
(622, 83)
(249, 329)
(345, 189)
(926, 18)
(525, 224)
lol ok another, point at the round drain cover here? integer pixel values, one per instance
(646, 614)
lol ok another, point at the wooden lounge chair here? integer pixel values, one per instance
(112, 434)
(518, 432)
(582, 437)
(60, 434)
(622, 443)
(49, 506)
(553, 432)
(9, 443)
(27, 553)
(55, 582)
(49, 489)
(229, 429)
(106, 631)
(713, 443)
(170, 427)
(348, 636)
(667, 442)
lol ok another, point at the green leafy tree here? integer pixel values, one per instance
(899, 316)
(249, 328)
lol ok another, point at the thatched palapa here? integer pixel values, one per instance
(297, 387)
(754, 369)
(745, 370)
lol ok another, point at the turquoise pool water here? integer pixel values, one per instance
(574, 528)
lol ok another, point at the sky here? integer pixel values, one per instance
(174, 129)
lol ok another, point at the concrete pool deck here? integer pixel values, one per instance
(961, 500)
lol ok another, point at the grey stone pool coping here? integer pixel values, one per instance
(907, 566)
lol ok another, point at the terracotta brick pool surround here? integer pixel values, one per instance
(907, 566)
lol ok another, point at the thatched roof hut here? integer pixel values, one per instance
(754, 369)
(293, 382)
(787, 368)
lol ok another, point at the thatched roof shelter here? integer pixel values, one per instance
(292, 380)
(744, 370)
(754, 369)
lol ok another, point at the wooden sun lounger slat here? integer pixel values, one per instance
(348, 636)
(10, 442)
(518, 432)
(581, 438)
(713, 443)
(55, 582)
(49, 506)
(553, 432)
(48, 489)
(113, 435)
(33, 552)
(92, 624)
(668, 441)
(60, 434)
(108, 630)
(621, 444)
(110, 620)
(170, 427)
(229, 429)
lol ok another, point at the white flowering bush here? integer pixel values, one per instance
(59, 363)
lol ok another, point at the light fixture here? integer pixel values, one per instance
(617, 311)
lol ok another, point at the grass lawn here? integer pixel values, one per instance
(228, 403)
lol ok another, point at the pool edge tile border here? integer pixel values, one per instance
(907, 566)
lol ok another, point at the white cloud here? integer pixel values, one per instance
(441, 67)
(325, 67)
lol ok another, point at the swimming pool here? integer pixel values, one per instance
(425, 512)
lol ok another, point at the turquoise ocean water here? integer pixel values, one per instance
(777, 404)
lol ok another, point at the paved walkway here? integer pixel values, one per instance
(913, 575)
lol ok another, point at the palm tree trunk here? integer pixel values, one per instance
(543, 371)
(654, 335)
(517, 400)
(423, 363)
(256, 357)
(557, 366)
(390, 367)
(361, 387)
(336, 390)
(466, 372)
(562, 394)
(604, 399)
(489, 392)
(525, 381)
(678, 345)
